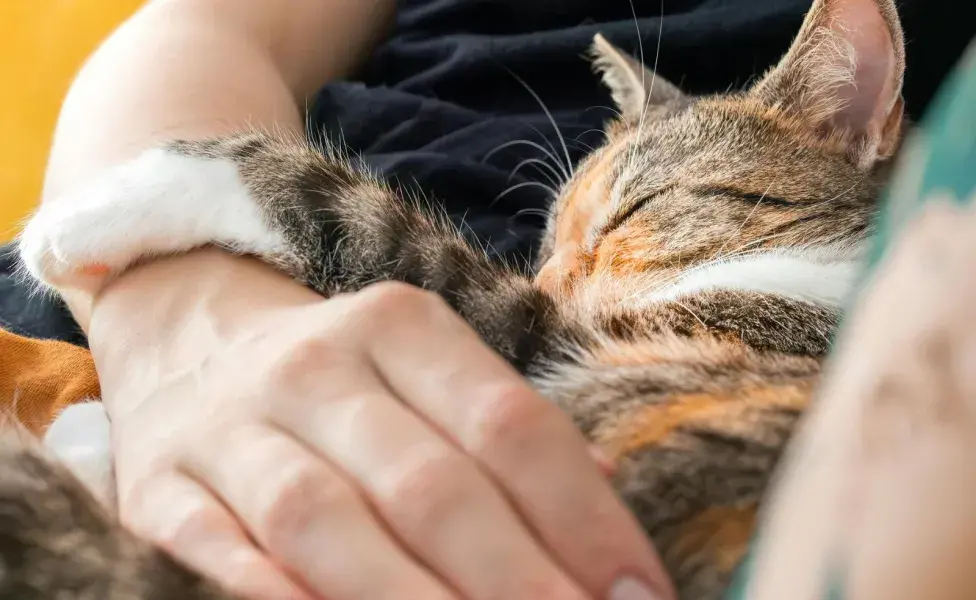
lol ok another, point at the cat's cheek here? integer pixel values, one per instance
(80, 437)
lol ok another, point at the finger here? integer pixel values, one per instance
(430, 495)
(917, 532)
(603, 461)
(305, 513)
(883, 443)
(184, 519)
(525, 442)
(917, 527)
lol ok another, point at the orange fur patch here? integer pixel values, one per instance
(584, 204)
(629, 251)
(723, 532)
(652, 425)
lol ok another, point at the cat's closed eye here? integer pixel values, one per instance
(622, 216)
(751, 197)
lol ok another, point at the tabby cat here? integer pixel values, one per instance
(691, 278)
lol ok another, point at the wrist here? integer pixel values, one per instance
(170, 314)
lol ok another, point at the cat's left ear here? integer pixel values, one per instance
(637, 91)
(843, 76)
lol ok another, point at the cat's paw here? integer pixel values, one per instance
(160, 203)
(80, 438)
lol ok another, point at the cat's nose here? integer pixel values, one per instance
(546, 279)
(556, 276)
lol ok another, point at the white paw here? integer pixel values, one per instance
(80, 438)
(160, 203)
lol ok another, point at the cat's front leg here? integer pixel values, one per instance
(305, 210)
(346, 230)
(162, 202)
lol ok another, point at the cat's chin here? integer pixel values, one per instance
(80, 438)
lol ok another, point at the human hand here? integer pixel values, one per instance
(368, 446)
(877, 497)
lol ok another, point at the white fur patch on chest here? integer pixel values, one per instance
(805, 276)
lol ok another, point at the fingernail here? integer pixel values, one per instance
(629, 588)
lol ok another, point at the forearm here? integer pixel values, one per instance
(196, 68)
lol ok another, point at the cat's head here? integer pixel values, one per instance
(795, 162)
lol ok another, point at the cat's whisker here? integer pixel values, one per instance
(606, 137)
(616, 112)
(585, 146)
(554, 152)
(640, 43)
(640, 50)
(605, 134)
(738, 251)
(539, 212)
(550, 172)
(532, 144)
(553, 191)
(552, 120)
(838, 196)
(519, 186)
(657, 57)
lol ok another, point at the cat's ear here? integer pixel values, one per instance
(637, 91)
(843, 75)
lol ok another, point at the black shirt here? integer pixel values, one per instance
(445, 101)
(452, 102)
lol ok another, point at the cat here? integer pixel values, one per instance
(689, 283)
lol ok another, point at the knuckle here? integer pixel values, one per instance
(242, 570)
(388, 298)
(510, 418)
(186, 525)
(302, 358)
(172, 520)
(301, 493)
(420, 494)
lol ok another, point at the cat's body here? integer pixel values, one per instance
(690, 282)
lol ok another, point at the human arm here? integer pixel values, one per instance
(254, 61)
(196, 349)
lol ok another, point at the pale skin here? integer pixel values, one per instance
(882, 481)
(269, 437)
(213, 368)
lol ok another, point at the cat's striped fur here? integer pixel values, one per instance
(689, 285)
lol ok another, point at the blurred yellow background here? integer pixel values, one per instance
(43, 43)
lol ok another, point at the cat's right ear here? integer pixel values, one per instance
(843, 76)
(638, 92)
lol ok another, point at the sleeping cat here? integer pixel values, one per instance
(691, 278)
